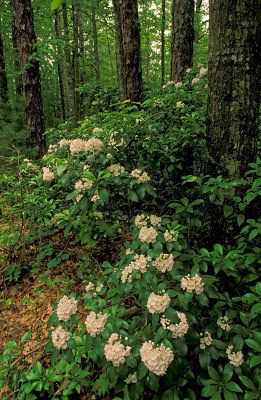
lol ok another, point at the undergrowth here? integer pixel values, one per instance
(170, 313)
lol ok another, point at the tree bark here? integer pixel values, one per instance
(129, 51)
(95, 45)
(75, 58)
(3, 76)
(60, 74)
(234, 85)
(182, 38)
(118, 41)
(163, 25)
(69, 87)
(25, 40)
(18, 74)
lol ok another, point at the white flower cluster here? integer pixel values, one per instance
(92, 145)
(170, 236)
(116, 169)
(195, 80)
(205, 340)
(157, 304)
(89, 287)
(79, 197)
(235, 358)
(52, 148)
(192, 284)
(140, 176)
(99, 287)
(97, 130)
(139, 263)
(154, 220)
(115, 351)
(95, 323)
(164, 262)
(47, 174)
(180, 104)
(131, 378)
(64, 142)
(140, 221)
(223, 323)
(177, 330)
(83, 185)
(113, 142)
(170, 83)
(60, 338)
(203, 71)
(95, 197)
(156, 358)
(129, 252)
(66, 308)
(148, 235)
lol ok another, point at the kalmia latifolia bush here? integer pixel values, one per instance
(170, 318)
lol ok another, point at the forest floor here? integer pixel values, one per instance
(25, 305)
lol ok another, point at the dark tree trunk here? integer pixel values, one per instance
(95, 45)
(59, 63)
(3, 76)
(18, 74)
(26, 45)
(129, 52)
(163, 24)
(75, 58)
(118, 40)
(182, 38)
(68, 75)
(234, 85)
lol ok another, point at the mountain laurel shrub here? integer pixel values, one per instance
(167, 317)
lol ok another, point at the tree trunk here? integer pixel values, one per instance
(57, 25)
(69, 87)
(75, 58)
(25, 40)
(18, 74)
(3, 76)
(118, 41)
(182, 38)
(163, 24)
(95, 45)
(129, 52)
(234, 85)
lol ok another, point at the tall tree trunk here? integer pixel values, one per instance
(129, 51)
(69, 87)
(75, 58)
(3, 76)
(234, 84)
(182, 38)
(26, 44)
(109, 51)
(95, 45)
(118, 41)
(57, 25)
(18, 74)
(163, 24)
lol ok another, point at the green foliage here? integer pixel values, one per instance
(167, 144)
